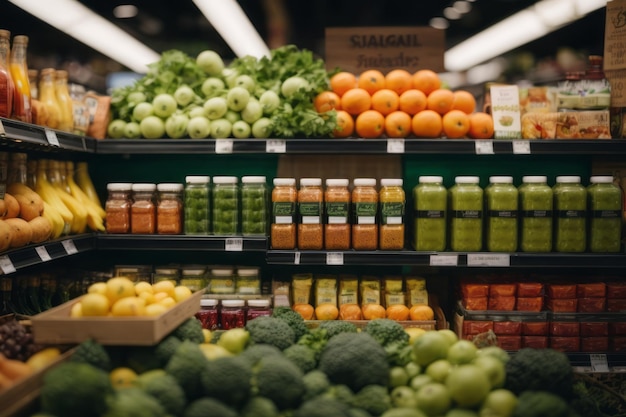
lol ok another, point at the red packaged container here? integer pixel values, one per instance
(565, 344)
(529, 289)
(534, 328)
(565, 328)
(475, 303)
(617, 328)
(529, 303)
(562, 305)
(616, 305)
(472, 290)
(591, 290)
(561, 291)
(507, 328)
(595, 328)
(502, 303)
(536, 342)
(616, 290)
(591, 305)
(510, 342)
(502, 290)
(617, 344)
(475, 327)
(594, 344)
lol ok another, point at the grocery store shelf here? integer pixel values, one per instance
(25, 136)
(180, 243)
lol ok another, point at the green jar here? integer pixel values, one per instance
(604, 205)
(430, 203)
(466, 212)
(536, 205)
(196, 205)
(254, 206)
(501, 204)
(194, 277)
(225, 201)
(570, 203)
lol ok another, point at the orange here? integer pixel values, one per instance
(440, 101)
(350, 312)
(398, 124)
(385, 101)
(421, 312)
(356, 101)
(370, 124)
(371, 81)
(481, 126)
(326, 101)
(305, 310)
(426, 81)
(398, 312)
(345, 125)
(464, 101)
(427, 124)
(399, 80)
(326, 312)
(342, 82)
(412, 101)
(373, 311)
(456, 124)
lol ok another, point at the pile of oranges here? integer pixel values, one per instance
(400, 105)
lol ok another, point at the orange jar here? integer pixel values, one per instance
(170, 209)
(284, 200)
(310, 201)
(337, 210)
(117, 208)
(364, 209)
(143, 209)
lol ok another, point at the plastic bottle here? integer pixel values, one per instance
(197, 205)
(225, 205)
(79, 109)
(570, 203)
(501, 204)
(365, 210)
(283, 227)
(48, 98)
(604, 205)
(392, 200)
(7, 87)
(62, 92)
(430, 203)
(336, 214)
(310, 201)
(466, 214)
(254, 204)
(22, 108)
(536, 205)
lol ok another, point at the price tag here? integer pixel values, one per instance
(51, 135)
(599, 362)
(521, 147)
(223, 146)
(444, 260)
(483, 147)
(6, 265)
(2, 131)
(334, 258)
(234, 244)
(69, 246)
(395, 145)
(488, 259)
(275, 146)
(296, 258)
(43, 253)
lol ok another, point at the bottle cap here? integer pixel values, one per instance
(144, 186)
(225, 180)
(534, 179)
(310, 182)
(259, 303)
(430, 179)
(568, 179)
(601, 179)
(197, 179)
(500, 179)
(391, 182)
(253, 179)
(365, 182)
(169, 186)
(337, 182)
(119, 186)
(466, 180)
(284, 182)
(233, 303)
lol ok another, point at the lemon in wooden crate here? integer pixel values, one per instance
(128, 306)
(94, 304)
(118, 288)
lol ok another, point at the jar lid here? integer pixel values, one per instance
(222, 272)
(391, 182)
(225, 180)
(253, 179)
(169, 186)
(166, 271)
(310, 182)
(208, 302)
(186, 272)
(430, 179)
(197, 179)
(501, 179)
(337, 182)
(601, 179)
(534, 179)
(144, 187)
(119, 186)
(259, 303)
(233, 303)
(365, 182)
(284, 182)
(247, 272)
(568, 179)
(466, 180)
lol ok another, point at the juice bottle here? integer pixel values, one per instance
(66, 123)
(48, 98)
(19, 72)
(7, 88)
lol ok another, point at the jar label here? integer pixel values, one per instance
(467, 214)
(537, 213)
(310, 209)
(365, 209)
(336, 213)
(392, 213)
(606, 214)
(430, 214)
(509, 214)
(283, 212)
(571, 214)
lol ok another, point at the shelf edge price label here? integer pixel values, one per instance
(275, 146)
(521, 147)
(444, 260)
(70, 247)
(233, 244)
(223, 146)
(43, 253)
(334, 258)
(296, 258)
(6, 265)
(599, 362)
(489, 259)
(395, 145)
(2, 131)
(51, 136)
(483, 147)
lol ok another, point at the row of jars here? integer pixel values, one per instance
(231, 313)
(534, 217)
(221, 280)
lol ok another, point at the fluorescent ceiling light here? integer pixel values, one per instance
(525, 26)
(91, 29)
(234, 27)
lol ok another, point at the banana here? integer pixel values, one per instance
(49, 195)
(84, 181)
(80, 195)
(79, 225)
(58, 224)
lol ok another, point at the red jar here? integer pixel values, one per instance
(208, 314)
(232, 314)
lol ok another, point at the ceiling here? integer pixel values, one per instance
(166, 24)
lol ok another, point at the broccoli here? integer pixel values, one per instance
(227, 379)
(254, 353)
(186, 365)
(386, 331)
(133, 402)
(165, 389)
(190, 329)
(315, 339)
(146, 358)
(374, 399)
(259, 407)
(75, 389)
(93, 353)
(356, 360)
(303, 356)
(293, 319)
(209, 407)
(271, 330)
(278, 379)
(322, 407)
(540, 370)
(359, 412)
(334, 327)
(540, 404)
(340, 392)
(315, 382)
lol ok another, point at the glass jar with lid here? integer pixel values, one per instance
(336, 214)
(232, 314)
(392, 200)
(570, 203)
(364, 210)
(248, 281)
(143, 209)
(430, 201)
(310, 200)
(501, 204)
(135, 273)
(169, 208)
(258, 308)
(222, 281)
(166, 273)
(536, 205)
(254, 205)
(604, 203)
(466, 212)
(283, 227)
(117, 207)
(193, 277)
(208, 315)
(197, 204)
(225, 205)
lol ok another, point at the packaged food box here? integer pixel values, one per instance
(502, 303)
(507, 328)
(616, 305)
(535, 342)
(474, 290)
(502, 290)
(534, 328)
(474, 327)
(561, 291)
(562, 305)
(529, 289)
(566, 125)
(512, 343)
(595, 328)
(476, 303)
(565, 344)
(529, 303)
(616, 290)
(591, 290)
(617, 344)
(617, 328)
(568, 329)
(591, 305)
(594, 344)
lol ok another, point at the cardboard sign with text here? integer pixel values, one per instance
(357, 49)
(615, 50)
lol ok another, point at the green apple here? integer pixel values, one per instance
(237, 98)
(230, 75)
(176, 126)
(494, 368)
(293, 84)
(262, 128)
(403, 397)
(164, 105)
(232, 116)
(221, 128)
(196, 111)
(463, 351)
(210, 62)
(199, 127)
(215, 107)
(270, 102)
(136, 97)
(142, 110)
(132, 130)
(499, 402)
(115, 130)
(152, 127)
(433, 399)
(234, 340)
(184, 95)
(241, 129)
(252, 112)
(439, 370)
(246, 82)
(212, 86)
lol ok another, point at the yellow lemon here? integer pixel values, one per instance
(129, 306)
(181, 293)
(208, 335)
(158, 296)
(143, 286)
(119, 287)
(98, 287)
(164, 286)
(147, 296)
(122, 377)
(95, 304)
(168, 302)
(155, 309)
(414, 333)
(77, 310)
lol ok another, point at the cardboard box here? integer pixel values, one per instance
(567, 125)
(55, 326)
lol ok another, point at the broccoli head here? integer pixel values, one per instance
(209, 407)
(186, 366)
(356, 360)
(303, 356)
(165, 389)
(374, 399)
(227, 379)
(540, 404)
(271, 330)
(334, 327)
(190, 329)
(386, 331)
(133, 402)
(146, 358)
(254, 353)
(259, 407)
(278, 379)
(322, 407)
(340, 392)
(540, 370)
(93, 353)
(315, 339)
(316, 382)
(293, 319)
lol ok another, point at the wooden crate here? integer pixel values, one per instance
(426, 324)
